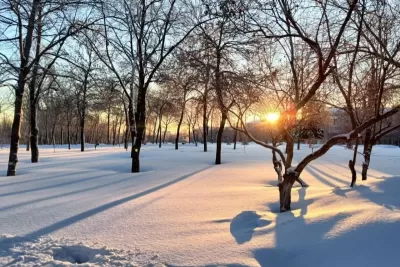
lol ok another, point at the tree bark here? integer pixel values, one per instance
(154, 131)
(178, 128)
(205, 122)
(69, 135)
(159, 132)
(132, 127)
(28, 142)
(16, 128)
(140, 119)
(235, 136)
(367, 153)
(194, 136)
(365, 165)
(119, 130)
(108, 123)
(352, 164)
(165, 133)
(219, 138)
(285, 191)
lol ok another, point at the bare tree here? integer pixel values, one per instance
(22, 21)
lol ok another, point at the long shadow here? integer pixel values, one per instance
(387, 194)
(319, 177)
(328, 175)
(81, 216)
(51, 164)
(77, 181)
(84, 190)
(299, 242)
(288, 238)
(33, 180)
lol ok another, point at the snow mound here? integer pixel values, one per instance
(19, 251)
(77, 254)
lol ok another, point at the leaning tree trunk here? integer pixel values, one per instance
(219, 138)
(352, 164)
(277, 164)
(285, 191)
(178, 128)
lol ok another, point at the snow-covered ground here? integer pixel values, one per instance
(182, 210)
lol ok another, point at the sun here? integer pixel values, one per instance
(272, 116)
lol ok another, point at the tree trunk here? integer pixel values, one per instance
(365, 165)
(178, 129)
(114, 133)
(352, 164)
(285, 191)
(219, 138)
(298, 144)
(82, 132)
(119, 131)
(189, 134)
(69, 135)
(62, 137)
(140, 118)
(16, 128)
(126, 135)
(154, 131)
(367, 153)
(28, 142)
(211, 132)
(165, 133)
(159, 131)
(194, 137)
(132, 127)
(235, 136)
(353, 173)
(205, 131)
(108, 124)
(47, 128)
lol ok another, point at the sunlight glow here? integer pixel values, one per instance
(272, 116)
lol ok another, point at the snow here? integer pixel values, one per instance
(182, 210)
(49, 252)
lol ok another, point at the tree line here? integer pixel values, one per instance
(123, 71)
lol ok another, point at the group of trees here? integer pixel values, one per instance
(131, 68)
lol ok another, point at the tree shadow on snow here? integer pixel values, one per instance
(301, 242)
(243, 225)
(81, 216)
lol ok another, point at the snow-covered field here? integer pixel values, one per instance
(87, 209)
